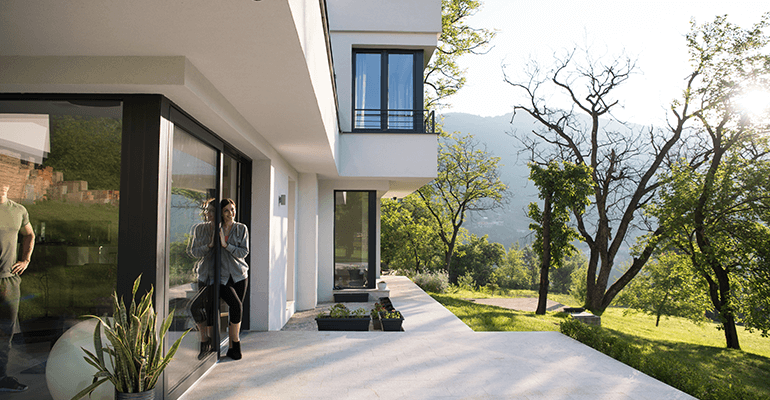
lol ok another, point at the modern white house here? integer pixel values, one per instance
(121, 120)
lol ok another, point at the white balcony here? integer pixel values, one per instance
(408, 158)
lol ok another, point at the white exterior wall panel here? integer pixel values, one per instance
(385, 16)
(383, 155)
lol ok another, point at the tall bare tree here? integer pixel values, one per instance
(572, 104)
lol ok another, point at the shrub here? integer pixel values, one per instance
(436, 282)
(579, 287)
(490, 288)
(656, 364)
(466, 282)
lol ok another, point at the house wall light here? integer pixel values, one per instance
(282, 200)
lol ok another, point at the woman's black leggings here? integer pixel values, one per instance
(233, 294)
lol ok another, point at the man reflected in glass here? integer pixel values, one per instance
(14, 220)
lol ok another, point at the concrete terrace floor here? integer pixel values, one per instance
(436, 357)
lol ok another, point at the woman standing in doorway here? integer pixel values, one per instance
(234, 239)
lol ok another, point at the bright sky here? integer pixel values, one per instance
(652, 32)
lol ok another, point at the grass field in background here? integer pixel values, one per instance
(699, 346)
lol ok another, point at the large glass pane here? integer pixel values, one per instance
(230, 190)
(351, 238)
(368, 91)
(401, 91)
(192, 218)
(61, 162)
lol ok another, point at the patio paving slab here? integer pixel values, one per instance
(436, 357)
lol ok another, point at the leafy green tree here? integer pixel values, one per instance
(408, 240)
(512, 272)
(715, 205)
(564, 187)
(561, 278)
(478, 258)
(578, 288)
(719, 219)
(468, 180)
(443, 76)
(666, 287)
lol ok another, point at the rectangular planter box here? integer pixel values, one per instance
(343, 324)
(392, 324)
(351, 297)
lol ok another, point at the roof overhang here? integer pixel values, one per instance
(255, 72)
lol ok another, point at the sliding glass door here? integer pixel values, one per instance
(202, 173)
(192, 224)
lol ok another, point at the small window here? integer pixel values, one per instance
(387, 91)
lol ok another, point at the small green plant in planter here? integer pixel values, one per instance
(339, 310)
(340, 318)
(391, 315)
(391, 320)
(136, 352)
(376, 315)
(378, 308)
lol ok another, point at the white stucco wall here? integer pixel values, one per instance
(307, 241)
(261, 244)
(279, 238)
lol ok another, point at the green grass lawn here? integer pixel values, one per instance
(484, 318)
(698, 348)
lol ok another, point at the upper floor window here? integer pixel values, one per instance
(387, 89)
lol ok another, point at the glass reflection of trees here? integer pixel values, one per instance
(74, 264)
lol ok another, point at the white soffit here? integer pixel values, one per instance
(257, 84)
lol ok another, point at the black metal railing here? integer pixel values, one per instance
(394, 121)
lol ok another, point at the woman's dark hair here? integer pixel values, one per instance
(205, 207)
(225, 202)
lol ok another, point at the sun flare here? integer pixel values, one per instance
(755, 102)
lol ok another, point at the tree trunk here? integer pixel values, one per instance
(731, 333)
(545, 264)
(721, 304)
(719, 291)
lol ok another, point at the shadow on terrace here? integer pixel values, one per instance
(435, 357)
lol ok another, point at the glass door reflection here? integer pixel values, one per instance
(193, 220)
(351, 239)
(230, 190)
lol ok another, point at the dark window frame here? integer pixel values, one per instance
(418, 125)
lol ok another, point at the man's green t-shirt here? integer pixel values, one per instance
(13, 216)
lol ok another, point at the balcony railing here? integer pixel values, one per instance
(394, 121)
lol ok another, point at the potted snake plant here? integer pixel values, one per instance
(135, 355)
